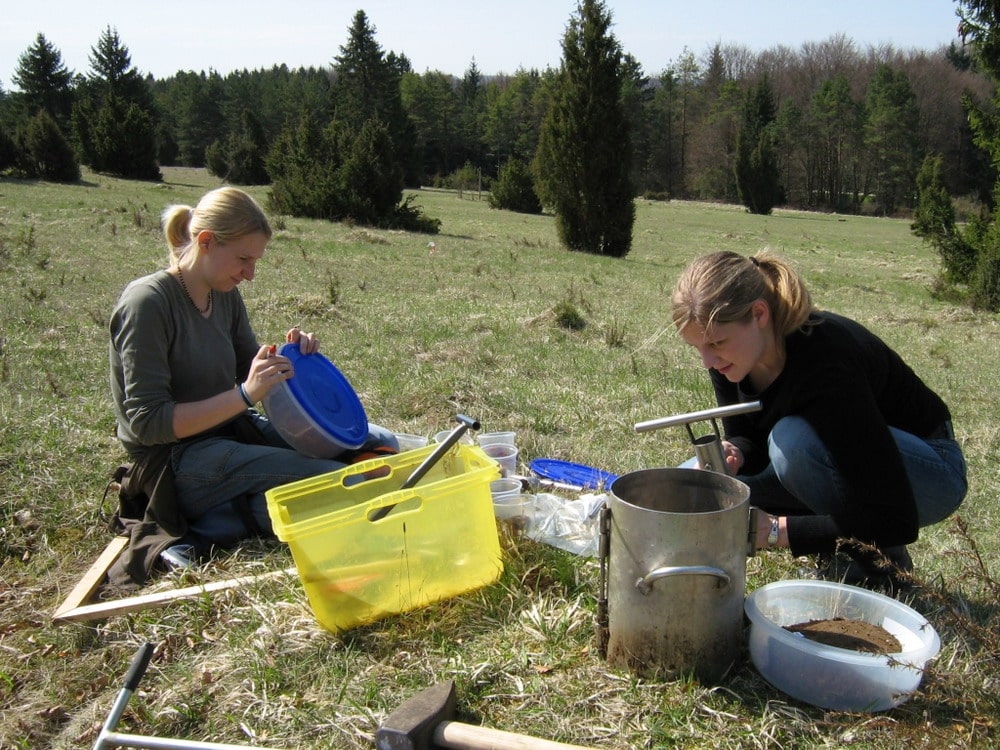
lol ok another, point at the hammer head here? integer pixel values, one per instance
(411, 726)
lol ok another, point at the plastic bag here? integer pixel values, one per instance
(571, 525)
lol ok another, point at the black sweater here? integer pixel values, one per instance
(850, 387)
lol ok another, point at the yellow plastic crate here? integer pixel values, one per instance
(438, 541)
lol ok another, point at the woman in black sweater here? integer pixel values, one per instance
(851, 451)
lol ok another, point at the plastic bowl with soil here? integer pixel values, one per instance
(837, 646)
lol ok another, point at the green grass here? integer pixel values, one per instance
(472, 327)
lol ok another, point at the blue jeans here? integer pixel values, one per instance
(220, 482)
(801, 476)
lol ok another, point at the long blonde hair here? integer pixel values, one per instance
(228, 212)
(721, 288)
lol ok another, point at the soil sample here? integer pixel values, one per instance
(856, 635)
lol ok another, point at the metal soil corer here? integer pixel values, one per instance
(707, 448)
(464, 423)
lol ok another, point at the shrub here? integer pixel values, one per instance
(340, 174)
(47, 152)
(984, 285)
(934, 221)
(514, 189)
(569, 316)
(8, 151)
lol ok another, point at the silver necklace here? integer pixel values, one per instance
(208, 307)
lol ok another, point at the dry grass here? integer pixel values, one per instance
(472, 327)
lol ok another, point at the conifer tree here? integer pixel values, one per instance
(368, 87)
(891, 137)
(114, 119)
(757, 176)
(44, 81)
(46, 153)
(584, 156)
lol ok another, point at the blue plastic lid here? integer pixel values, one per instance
(323, 393)
(569, 473)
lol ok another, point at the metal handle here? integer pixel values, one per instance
(464, 423)
(718, 412)
(645, 584)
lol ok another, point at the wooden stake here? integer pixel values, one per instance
(93, 578)
(160, 598)
(76, 607)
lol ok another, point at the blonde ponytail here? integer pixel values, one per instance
(228, 212)
(722, 287)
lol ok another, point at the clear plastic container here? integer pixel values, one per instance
(827, 676)
(408, 442)
(489, 438)
(504, 454)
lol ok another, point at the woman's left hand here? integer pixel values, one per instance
(308, 343)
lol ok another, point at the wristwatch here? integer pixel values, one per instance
(772, 537)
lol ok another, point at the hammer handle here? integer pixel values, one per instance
(461, 736)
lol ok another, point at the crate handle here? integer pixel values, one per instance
(377, 510)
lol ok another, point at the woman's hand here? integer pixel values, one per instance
(267, 369)
(733, 457)
(308, 343)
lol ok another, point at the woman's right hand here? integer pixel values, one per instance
(267, 369)
(733, 456)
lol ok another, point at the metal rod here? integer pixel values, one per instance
(135, 672)
(464, 423)
(115, 739)
(697, 416)
(108, 737)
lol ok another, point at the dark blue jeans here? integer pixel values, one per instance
(219, 481)
(802, 478)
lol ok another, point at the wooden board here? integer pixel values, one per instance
(93, 578)
(76, 607)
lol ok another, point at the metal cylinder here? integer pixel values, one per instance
(708, 451)
(676, 574)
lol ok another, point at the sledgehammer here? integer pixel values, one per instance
(424, 722)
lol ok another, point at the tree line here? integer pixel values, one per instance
(827, 126)
(846, 122)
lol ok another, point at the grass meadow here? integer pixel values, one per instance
(474, 325)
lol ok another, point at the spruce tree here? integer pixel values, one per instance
(368, 87)
(45, 82)
(514, 189)
(757, 176)
(114, 119)
(584, 156)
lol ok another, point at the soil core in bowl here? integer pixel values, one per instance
(856, 635)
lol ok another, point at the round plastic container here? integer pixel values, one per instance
(489, 438)
(440, 437)
(827, 676)
(317, 411)
(503, 454)
(509, 503)
(505, 490)
(408, 442)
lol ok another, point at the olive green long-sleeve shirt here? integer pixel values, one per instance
(163, 351)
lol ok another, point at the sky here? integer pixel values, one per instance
(448, 35)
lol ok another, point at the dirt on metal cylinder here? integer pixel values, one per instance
(676, 573)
